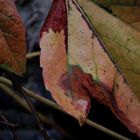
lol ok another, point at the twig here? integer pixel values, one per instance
(55, 106)
(106, 130)
(35, 113)
(11, 126)
(7, 90)
(21, 102)
(8, 124)
(16, 85)
(88, 122)
(33, 54)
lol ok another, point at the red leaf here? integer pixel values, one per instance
(61, 81)
(12, 39)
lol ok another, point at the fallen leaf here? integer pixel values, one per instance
(126, 10)
(129, 14)
(12, 39)
(77, 63)
(123, 44)
(108, 3)
(61, 79)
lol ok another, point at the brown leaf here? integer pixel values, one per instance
(129, 14)
(12, 39)
(108, 3)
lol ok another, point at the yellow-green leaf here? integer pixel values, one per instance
(122, 42)
(129, 14)
(108, 3)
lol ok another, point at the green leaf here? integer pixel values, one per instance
(122, 42)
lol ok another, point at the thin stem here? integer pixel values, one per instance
(33, 95)
(106, 130)
(11, 126)
(19, 88)
(88, 122)
(7, 90)
(8, 124)
(35, 113)
(55, 106)
(33, 54)
(21, 102)
(44, 100)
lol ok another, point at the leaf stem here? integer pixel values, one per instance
(55, 106)
(32, 55)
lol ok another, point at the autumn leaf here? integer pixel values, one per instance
(108, 3)
(123, 44)
(121, 41)
(129, 14)
(79, 63)
(126, 10)
(60, 78)
(12, 39)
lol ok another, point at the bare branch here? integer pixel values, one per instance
(55, 106)
(11, 126)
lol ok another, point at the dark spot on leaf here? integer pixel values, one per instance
(117, 85)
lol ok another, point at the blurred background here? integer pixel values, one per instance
(61, 126)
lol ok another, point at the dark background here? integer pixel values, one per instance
(33, 13)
